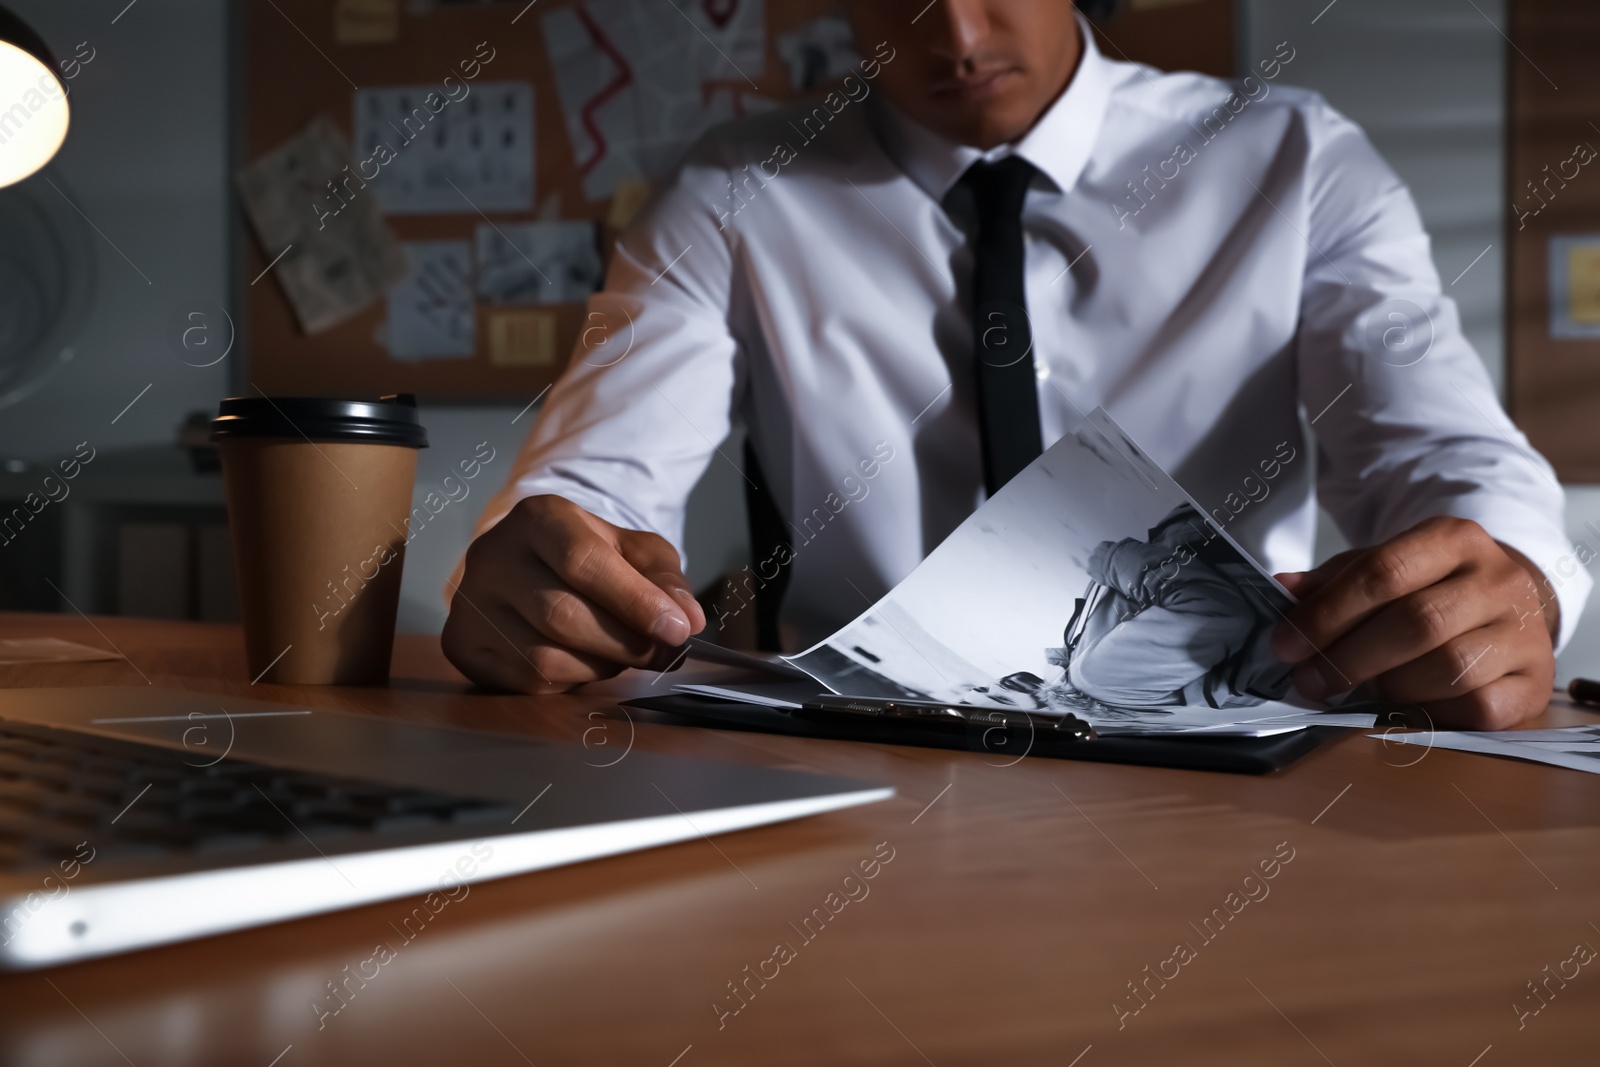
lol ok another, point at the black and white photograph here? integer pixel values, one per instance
(1090, 584)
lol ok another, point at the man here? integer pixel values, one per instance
(1221, 267)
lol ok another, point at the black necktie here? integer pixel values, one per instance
(1008, 398)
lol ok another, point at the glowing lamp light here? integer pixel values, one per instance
(33, 101)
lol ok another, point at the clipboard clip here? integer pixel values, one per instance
(935, 714)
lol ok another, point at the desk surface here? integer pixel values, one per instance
(1021, 902)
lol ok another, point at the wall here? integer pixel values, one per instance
(1426, 79)
(145, 162)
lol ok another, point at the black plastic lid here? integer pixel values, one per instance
(389, 420)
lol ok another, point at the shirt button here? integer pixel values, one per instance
(1041, 371)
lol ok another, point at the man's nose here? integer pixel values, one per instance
(958, 28)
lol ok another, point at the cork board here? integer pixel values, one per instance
(301, 61)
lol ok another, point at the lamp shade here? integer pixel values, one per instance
(33, 101)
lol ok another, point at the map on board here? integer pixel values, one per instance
(633, 100)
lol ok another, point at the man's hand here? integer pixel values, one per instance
(553, 597)
(1442, 616)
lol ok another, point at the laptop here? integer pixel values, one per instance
(133, 817)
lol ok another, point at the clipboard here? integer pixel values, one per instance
(1234, 755)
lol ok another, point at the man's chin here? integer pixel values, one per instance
(982, 128)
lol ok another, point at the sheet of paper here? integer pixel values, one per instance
(538, 262)
(1575, 286)
(630, 78)
(1583, 283)
(14, 650)
(631, 195)
(366, 21)
(1574, 747)
(724, 102)
(819, 52)
(1092, 584)
(761, 662)
(626, 93)
(431, 312)
(523, 338)
(731, 38)
(785, 695)
(428, 149)
(1224, 730)
(334, 257)
(1210, 720)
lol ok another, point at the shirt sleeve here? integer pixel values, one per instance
(647, 398)
(1406, 420)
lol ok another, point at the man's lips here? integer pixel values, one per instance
(977, 86)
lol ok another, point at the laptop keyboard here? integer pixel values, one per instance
(60, 788)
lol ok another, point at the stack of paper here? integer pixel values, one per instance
(1090, 584)
(1577, 747)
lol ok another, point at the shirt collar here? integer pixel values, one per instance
(1059, 144)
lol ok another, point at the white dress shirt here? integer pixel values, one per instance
(1231, 271)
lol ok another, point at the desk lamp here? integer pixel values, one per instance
(33, 101)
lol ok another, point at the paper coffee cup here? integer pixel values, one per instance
(319, 493)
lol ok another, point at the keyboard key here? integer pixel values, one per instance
(137, 801)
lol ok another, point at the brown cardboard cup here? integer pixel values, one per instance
(318, 496)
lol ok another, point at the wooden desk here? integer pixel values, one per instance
(1019, 904)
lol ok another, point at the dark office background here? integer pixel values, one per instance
(148, 163)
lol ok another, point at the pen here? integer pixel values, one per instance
(1584, 691)
(935, 713)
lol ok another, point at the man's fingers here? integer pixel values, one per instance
(554, 596)
(497, 648)
(666, 660)
(572, 621)
(1500, 704)
(588, 563)
(1302, 584)
(1396, 634)
(1416, 559)
(492, 671)
(658, 561)
(1469, 661)
(559, 669)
